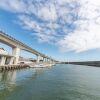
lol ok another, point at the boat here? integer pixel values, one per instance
(37, 66)
(40, 65)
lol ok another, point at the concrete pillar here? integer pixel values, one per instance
(48, 59)
(16, 54)
(51, 61)
(3, 60)
(11, 61)
(38, 59)
(43, 59)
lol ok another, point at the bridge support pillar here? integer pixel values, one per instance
(51, 61)
(11, 61)
(43, 59)
(38, 59)
(48, 60)
(3, 60)
(16, 53)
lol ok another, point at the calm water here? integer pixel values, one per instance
(61, 82)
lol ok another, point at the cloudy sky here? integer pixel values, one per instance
(63, 29)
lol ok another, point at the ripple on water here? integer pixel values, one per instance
(62, 82)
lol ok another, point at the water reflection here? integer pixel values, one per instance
(63, 82)
(9, 79)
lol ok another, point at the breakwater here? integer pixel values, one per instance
(88, 63)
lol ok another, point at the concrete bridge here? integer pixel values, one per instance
(16, 47)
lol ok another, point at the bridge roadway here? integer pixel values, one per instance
(16, 47)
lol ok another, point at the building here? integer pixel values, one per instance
(3, 51)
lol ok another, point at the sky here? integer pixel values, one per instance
(66, 30)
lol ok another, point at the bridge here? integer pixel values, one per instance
(17, 46)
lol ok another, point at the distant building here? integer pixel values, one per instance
(2, 51)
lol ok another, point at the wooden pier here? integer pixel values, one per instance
(13, 67)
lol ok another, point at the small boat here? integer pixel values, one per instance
(37, 66)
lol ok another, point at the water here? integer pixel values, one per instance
(61, 82)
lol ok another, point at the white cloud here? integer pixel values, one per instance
(87, 35)
(29, 23)
(72, 25)
(13, 5)
(81, 41)
(48, 13)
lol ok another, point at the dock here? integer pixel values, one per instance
(12, 67)
(21, 66)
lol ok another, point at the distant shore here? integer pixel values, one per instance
(88, 63)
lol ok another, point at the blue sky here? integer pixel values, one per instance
(63, 29)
